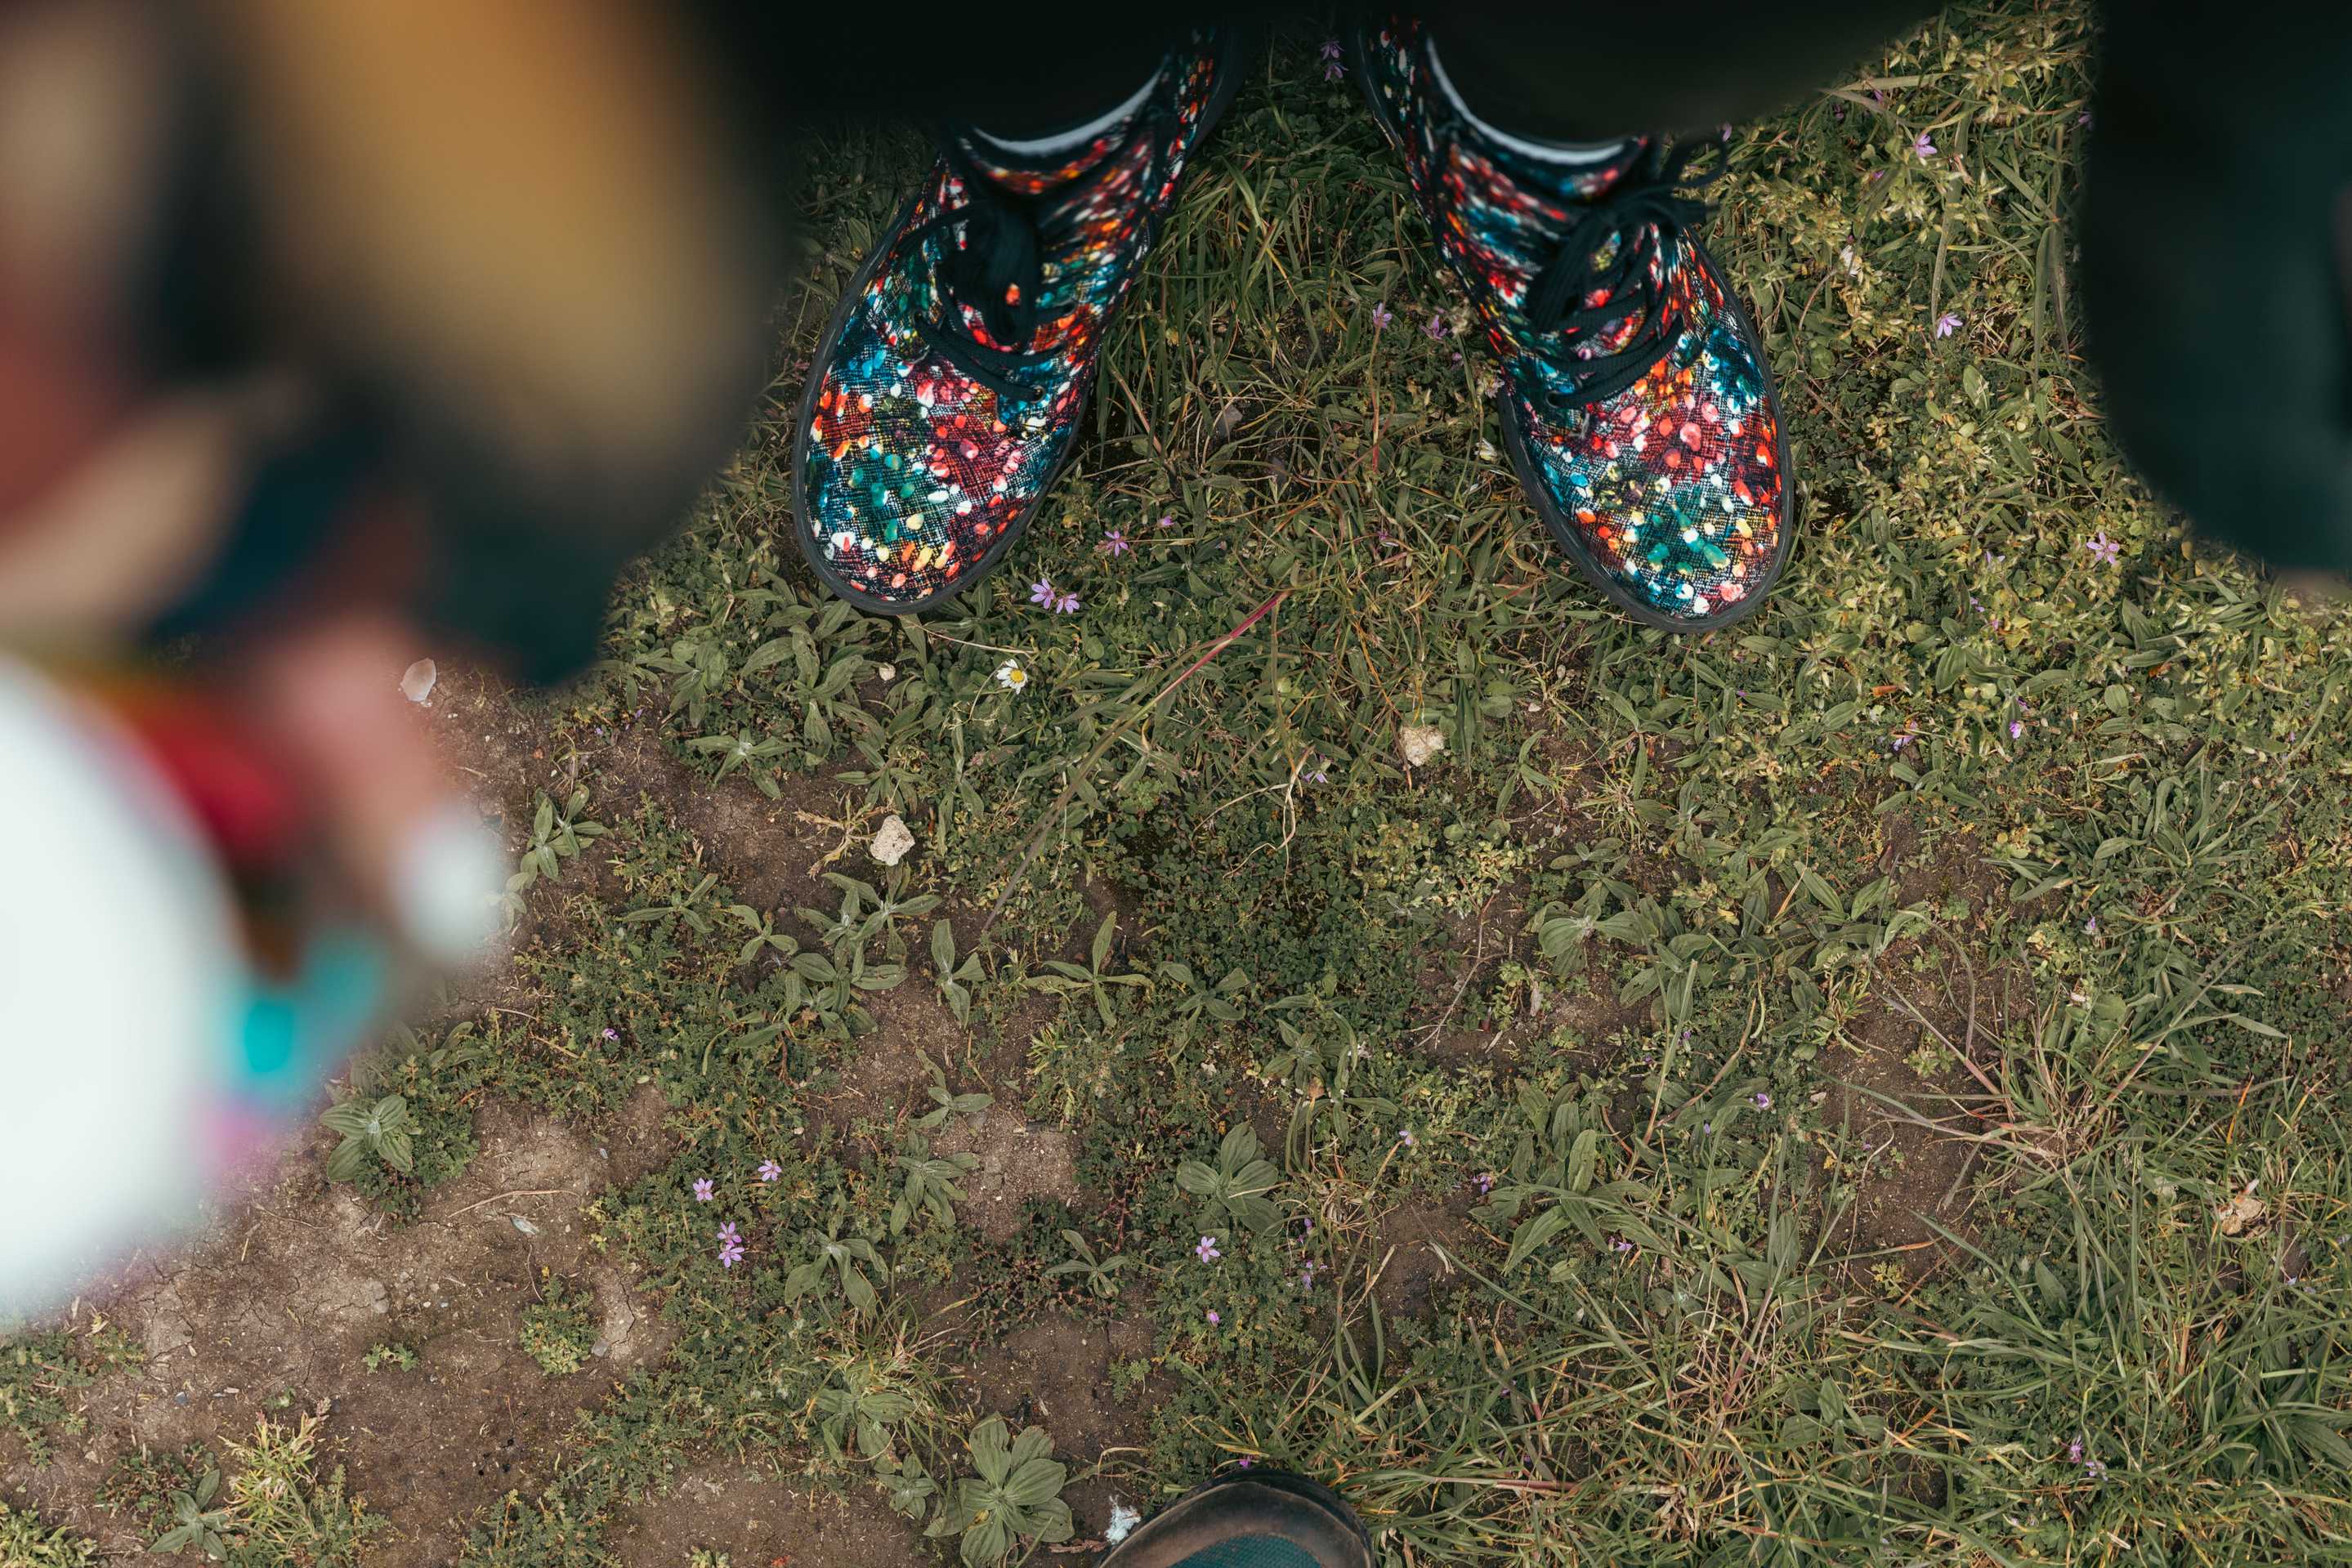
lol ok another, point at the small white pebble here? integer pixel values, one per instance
(891, 845)
(418, 681)
(1417, 743)
(888, 672)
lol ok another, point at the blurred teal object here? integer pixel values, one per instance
(293, 1037)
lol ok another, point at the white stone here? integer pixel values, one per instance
(1417, 743)
(891, 845)
(418, 681)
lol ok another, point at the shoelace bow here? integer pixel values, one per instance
(1647, 211)
(992, 259)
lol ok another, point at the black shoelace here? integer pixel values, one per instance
(992, 259)
(1647, 211)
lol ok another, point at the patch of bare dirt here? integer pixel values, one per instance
(757, 1520)
(1954, 868)
(1413, 1247)
(888, 1075)
(1453, 1025)
(774, 853)
(270, 1313)
(498, 754)
(1019, 1160)
(1057, 1374)
(1912, 1178)
(1594, 1020)
(637, 1140)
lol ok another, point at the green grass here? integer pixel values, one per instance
(1969, 866)
(41, 1372)
(1671, 1339)
(24, 1543)
(557, 1331)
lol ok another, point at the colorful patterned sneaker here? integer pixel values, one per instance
(947, 393)
(1637, 408)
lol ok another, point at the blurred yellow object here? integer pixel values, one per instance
(518, 213)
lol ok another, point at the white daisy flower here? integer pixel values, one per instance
(1011, 675)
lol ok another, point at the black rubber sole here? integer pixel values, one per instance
(1221, 96)
(1556, 523)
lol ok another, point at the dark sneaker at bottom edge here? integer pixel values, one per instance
(1254, 1519)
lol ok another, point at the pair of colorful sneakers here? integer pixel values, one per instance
(1637, 409)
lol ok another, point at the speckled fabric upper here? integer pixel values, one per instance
(1652, 449)
(948, 395)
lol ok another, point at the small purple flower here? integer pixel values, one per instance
(1068, 604)
(1381, 315)
(1947, 323)
(702, 1193)
(770, 1170)
(1331, 50)
(2084, 119)
(2093, 1470)
(1307, 1276)
(2104, 550)
(1245, 1462)
(1763, 1101)
(1405, 1138)
(1878, 97)
(1114, 542)
(2075, 1452)
(1333, 70)
(1437, 328)
(2016, 727)
(1214, 1318)
(1207, 1250)
(612, 1033)
(1876, 175)
(2091, 926)
(1619, 1244)
(1042, 593)
(1486, 1180)
(1923, 147)
(730, 1245)
(1167, 519)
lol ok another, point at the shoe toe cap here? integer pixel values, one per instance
(904, 491)
(1674, 489)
